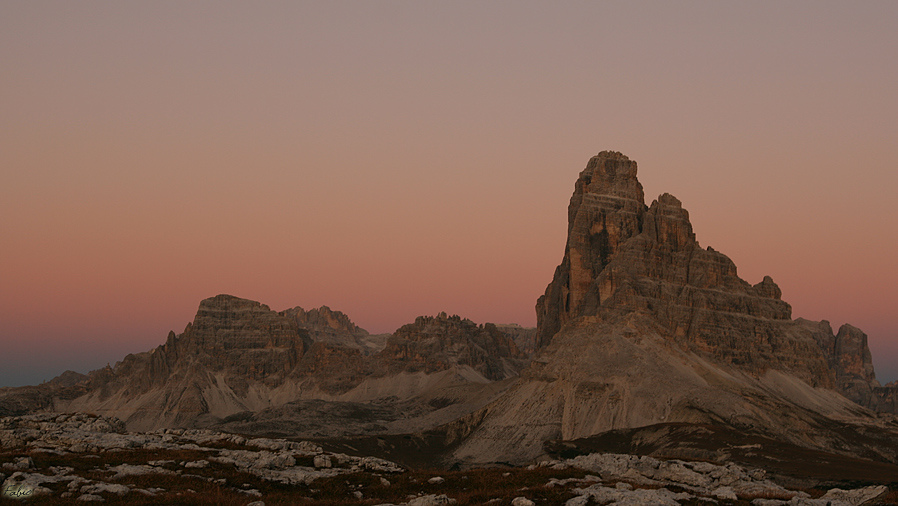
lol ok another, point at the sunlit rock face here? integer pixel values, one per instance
(606, 210)
(623, 257)
(641, 325)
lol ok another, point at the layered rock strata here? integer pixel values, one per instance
(624, 257)
(335, 328)
(641, 325)
(432, 343)
(239, 356)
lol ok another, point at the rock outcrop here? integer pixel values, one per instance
(63, 459)
(641, 325)
(885, 398)
(433, 343)
(238, 357)
(80, 437)
(606, 209)
(624, 257)
(335, 328)
(524, 337)
(854, 365)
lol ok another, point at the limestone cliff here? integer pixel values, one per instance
(335, 328)
(433, 343)
(623, 257)
(240, 356)
(641, 325)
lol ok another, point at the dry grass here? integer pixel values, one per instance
(224, 484)
(205, 486)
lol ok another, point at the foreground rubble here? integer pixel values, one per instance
(675, 481)
(58, 459)
(101, 439)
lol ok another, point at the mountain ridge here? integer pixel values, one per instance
(639, 326)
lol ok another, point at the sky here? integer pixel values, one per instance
(394, 159)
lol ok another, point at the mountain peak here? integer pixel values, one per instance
(225, 302)
(622, 256)
(610, 174)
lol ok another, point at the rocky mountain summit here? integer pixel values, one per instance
(641, 325)
(623, 257)
(238, 358)
(335, 328)
(646, 343)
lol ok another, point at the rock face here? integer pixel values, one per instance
(623, 257)
(232, 345)
(606, 209)
(524, 337)
(854, 365)
(885, 398)
(238, 334)
(335, 328)
(432, 343)
(239, 356)
(641, 325)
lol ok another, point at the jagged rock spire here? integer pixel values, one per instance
(605, 211)
(623, 257)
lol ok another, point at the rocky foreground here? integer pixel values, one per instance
(58, 459)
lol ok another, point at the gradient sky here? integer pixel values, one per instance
(394, 159)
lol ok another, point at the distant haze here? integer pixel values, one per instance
(394, 159)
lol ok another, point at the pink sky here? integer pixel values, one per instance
(393, 159)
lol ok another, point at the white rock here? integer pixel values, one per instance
(676, 472)
(431, 500)
(135, 470)
(555, 482)
(436, 480)
(379, 465)
(19, 464)
(522, 501)
(605, 495)
(703, 467)
(856, 496)
(763, 489)
(99, 487)
(90, 498)
(724, 493)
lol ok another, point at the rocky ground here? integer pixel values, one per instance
(60, 459)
